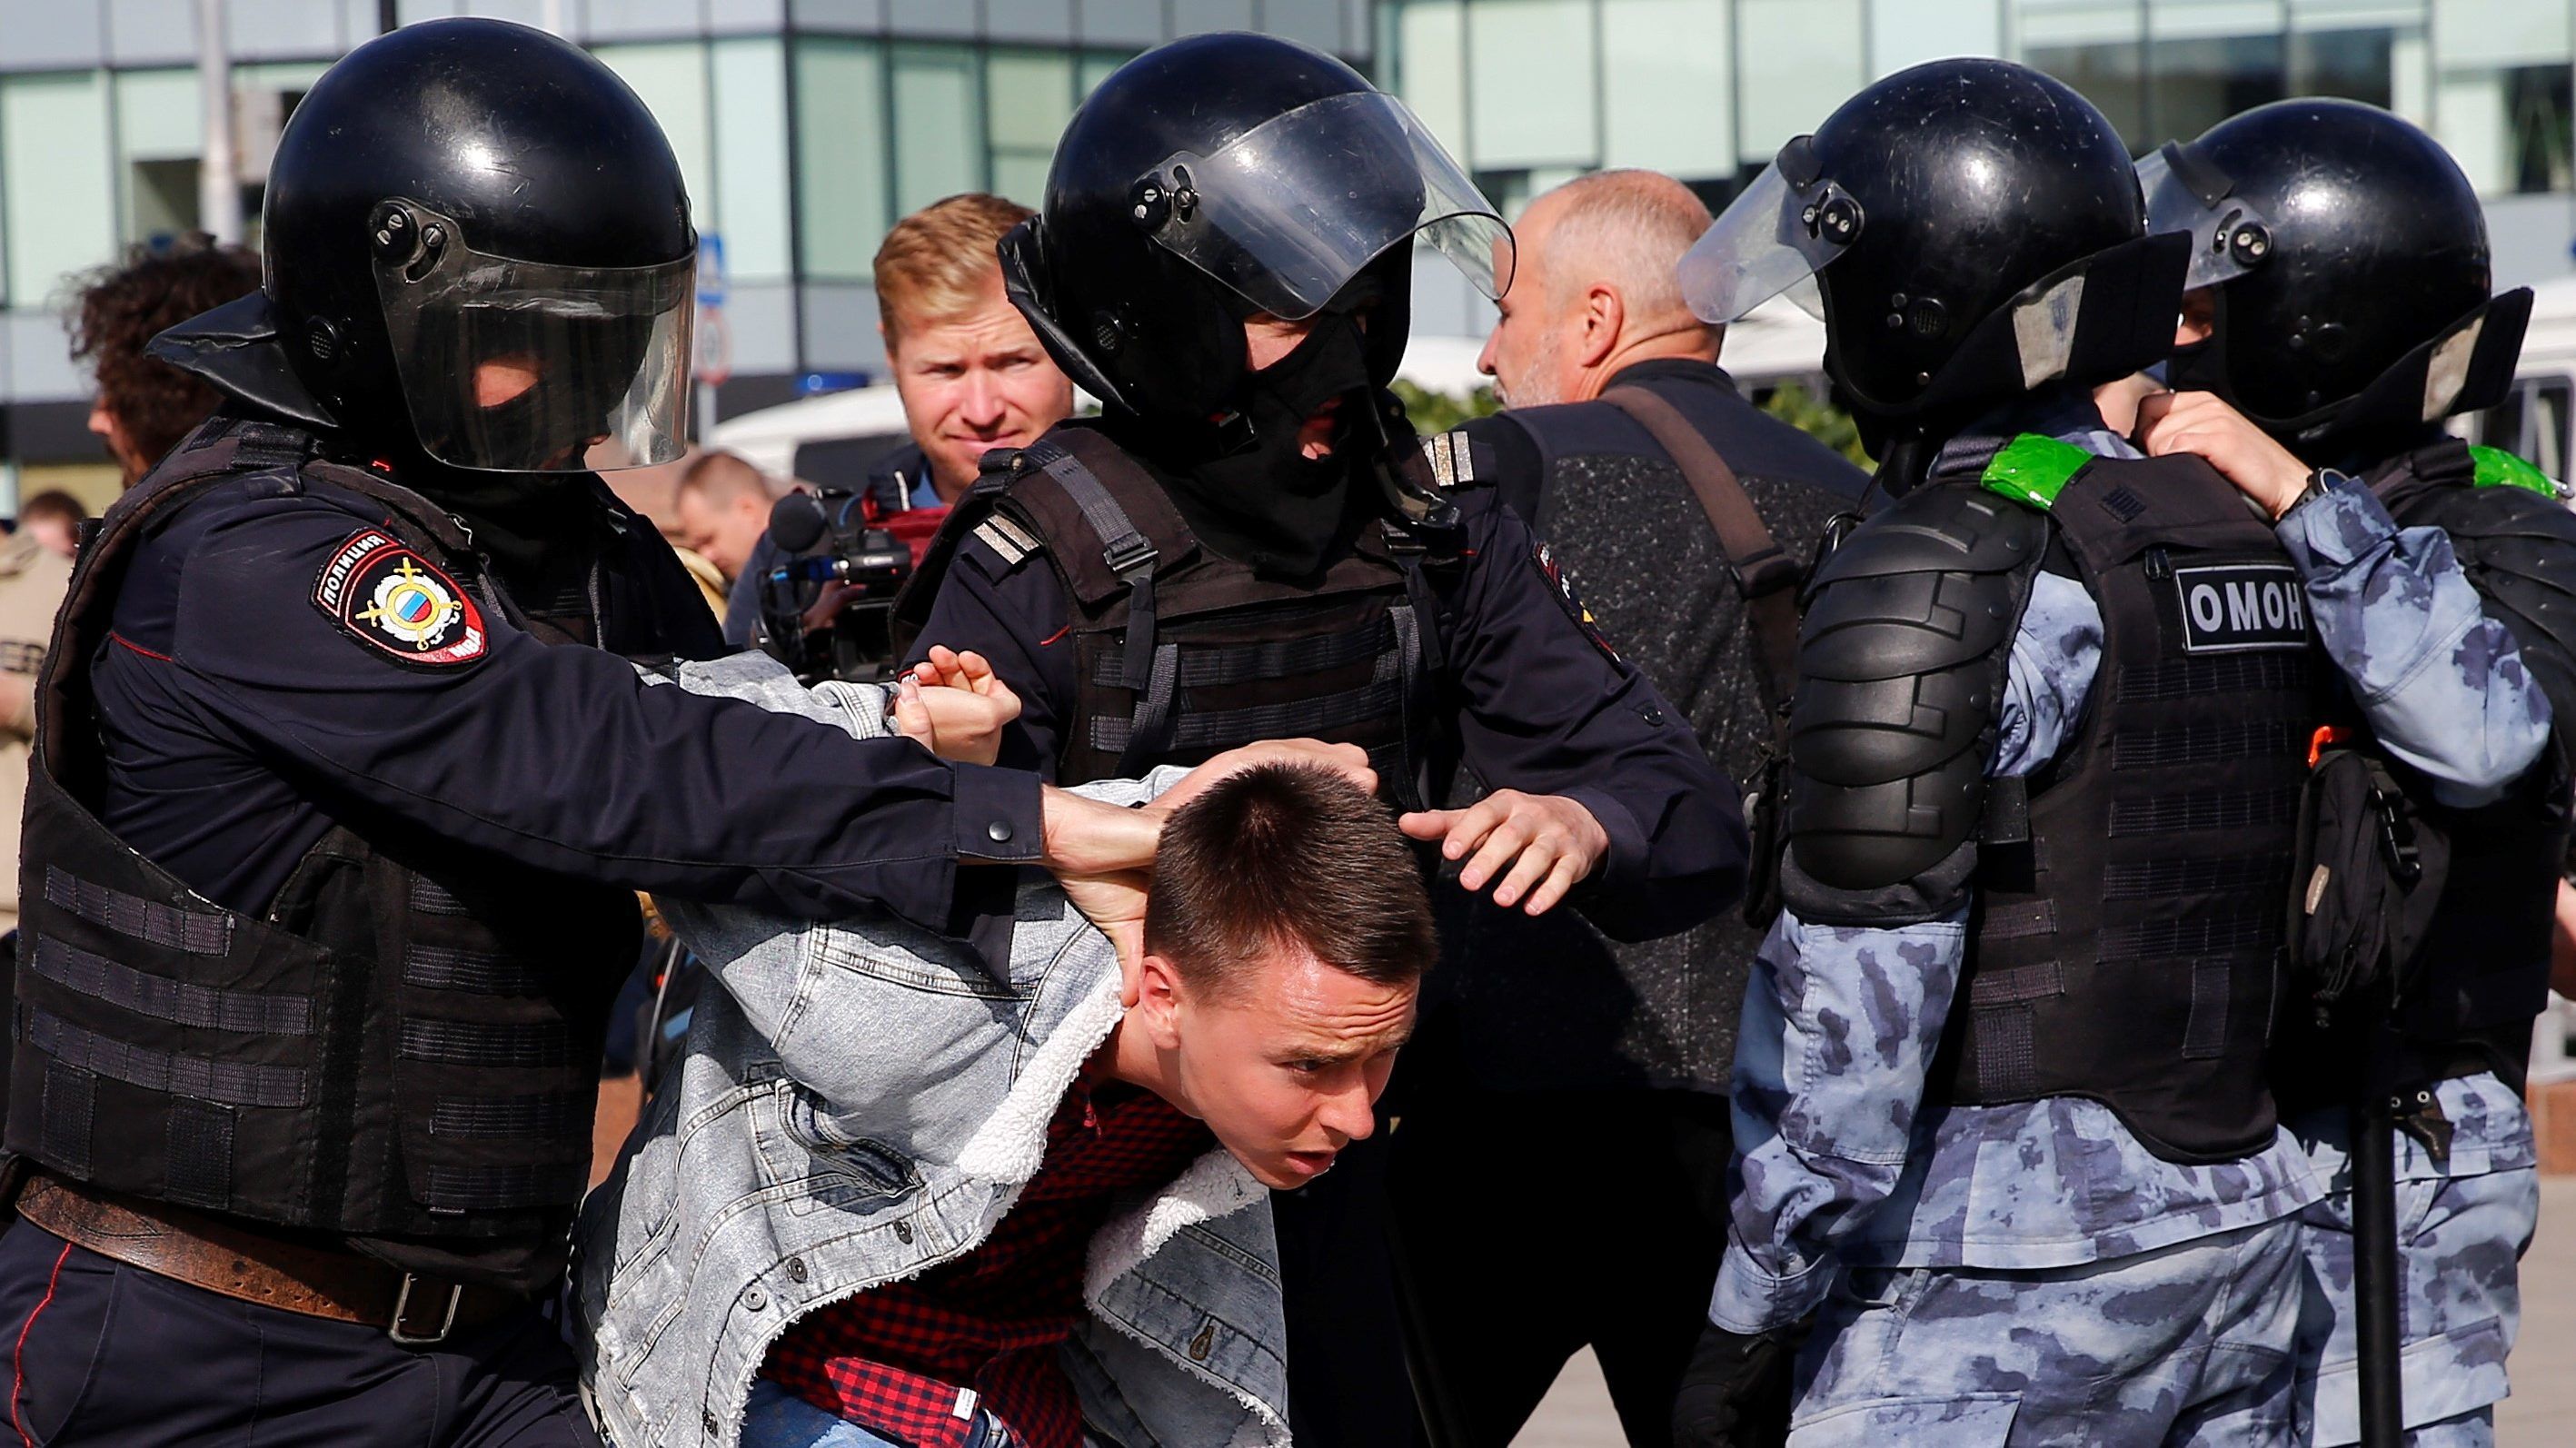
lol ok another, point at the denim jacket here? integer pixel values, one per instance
(862, 1102)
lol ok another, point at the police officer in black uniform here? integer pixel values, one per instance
(1245, 544)
(2342, 307)
(343, 789)
(1690, 516)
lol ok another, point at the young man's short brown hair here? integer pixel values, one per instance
(125, 304)
(1287, 857)
(936, 262)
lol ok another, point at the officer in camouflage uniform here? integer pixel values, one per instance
(2385, 253)
(2000, 1100)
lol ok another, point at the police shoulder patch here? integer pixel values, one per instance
(385, 594)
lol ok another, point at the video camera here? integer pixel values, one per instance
(827, 601)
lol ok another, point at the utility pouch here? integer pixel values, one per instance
(2367, 876)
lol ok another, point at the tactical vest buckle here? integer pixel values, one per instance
(1130, 555)
(402, 1313)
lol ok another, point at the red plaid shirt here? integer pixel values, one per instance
(899, 1360)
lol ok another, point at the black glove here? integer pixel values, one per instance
(1735, 1393)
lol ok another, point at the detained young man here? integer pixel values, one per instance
(891, 1199)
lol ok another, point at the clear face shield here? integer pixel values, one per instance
(1787, 226)
(2186, 194)
(516, 366)
(1290, 211)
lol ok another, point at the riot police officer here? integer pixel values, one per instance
(2341, 310)
(342, 789)
(1245, 544)
(2001, 1074)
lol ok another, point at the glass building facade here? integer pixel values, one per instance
(1533, 92)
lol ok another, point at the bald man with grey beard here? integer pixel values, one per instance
(1589, 1061)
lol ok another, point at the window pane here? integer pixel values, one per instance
(751, 155)
(1670, 104)
(1803, 62)
(1531, 94)
(2106, 73)
(939, 125)
(160, 134)
(1427, 51)
(60, 197)
(2536, 127)
(1029, 96)
(672, 80)
(2353, 64)
(2198, 83)
(840, 156)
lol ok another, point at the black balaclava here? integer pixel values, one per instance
(1243, 485)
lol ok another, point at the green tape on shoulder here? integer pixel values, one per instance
(2497, 468)
(2032, 469)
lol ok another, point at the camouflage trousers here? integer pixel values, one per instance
(2192, 1344)
(2460, 1243)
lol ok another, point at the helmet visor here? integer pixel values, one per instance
(1773, 238)
(2186, 194)
(516, 366)
(1291, 210)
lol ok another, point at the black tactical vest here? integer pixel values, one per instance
(405, 1043)
(2484, 969)
(1182, 653)
(2130, 896)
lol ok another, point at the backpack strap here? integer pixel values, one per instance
(1764, 576)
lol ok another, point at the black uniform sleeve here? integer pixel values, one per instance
(561, 758)
(1550, 709)
(1018, 618)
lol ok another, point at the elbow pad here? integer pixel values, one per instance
(1902, 657)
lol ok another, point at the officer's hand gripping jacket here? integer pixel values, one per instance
(2126, 917)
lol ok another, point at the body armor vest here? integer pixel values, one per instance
(1181, 653)
(2129, 909)
(2483, 971)
(404, 1043)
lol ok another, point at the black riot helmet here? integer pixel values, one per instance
(476, 242)
(1968, 230)
(1224, 175)
(2348, 258)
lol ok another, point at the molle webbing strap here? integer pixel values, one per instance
(1226, 728)
(487, 1043)
(509, 1118)
(1764, 576)
(193, 931)
(233, 1083)
(180, 1002)
(1214, 666)
(501, 1188)
(1073, 463)
(436, 967)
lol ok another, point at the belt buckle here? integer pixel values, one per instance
(402, 1310)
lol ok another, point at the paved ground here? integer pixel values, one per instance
(2540, 1414)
